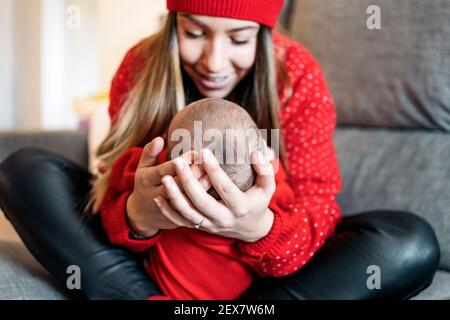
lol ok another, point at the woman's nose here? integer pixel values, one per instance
(215, 57)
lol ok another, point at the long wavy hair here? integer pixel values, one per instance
(162, 88)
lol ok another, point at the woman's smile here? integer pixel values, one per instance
(210, 82)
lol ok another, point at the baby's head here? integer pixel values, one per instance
(222, 127)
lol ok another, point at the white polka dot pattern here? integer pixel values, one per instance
(308, 121)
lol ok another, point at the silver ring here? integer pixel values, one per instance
(198, 226)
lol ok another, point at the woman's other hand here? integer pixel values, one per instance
(239, 215)
(143, 214)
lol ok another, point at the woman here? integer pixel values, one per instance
(295, 235)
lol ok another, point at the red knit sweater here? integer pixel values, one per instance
(304, 204)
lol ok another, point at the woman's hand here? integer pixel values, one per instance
(239, 215)
(143, 215)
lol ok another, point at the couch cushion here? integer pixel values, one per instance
(438, 290)
(23, 278)
(399, 170)
(398, 76)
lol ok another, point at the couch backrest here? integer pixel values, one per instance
(69, 144)
(397, 76)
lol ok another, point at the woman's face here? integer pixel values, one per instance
(217, 53)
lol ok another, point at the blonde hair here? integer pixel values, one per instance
(160, 91)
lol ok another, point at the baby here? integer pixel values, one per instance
(193, 264)
(223, 127)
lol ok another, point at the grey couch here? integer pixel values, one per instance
(392, 93)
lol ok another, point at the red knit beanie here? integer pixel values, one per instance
(262, 11)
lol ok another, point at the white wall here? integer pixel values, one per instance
(6, 65)
(45, 65)
(27, 63)
(69, 60)
(121, 24)
(82, 53)
(54, 113)
(53, 64)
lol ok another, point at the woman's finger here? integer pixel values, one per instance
(231, 195)
(200, 175)
(169, 213)
(197, 170)
(150, 154)
(205, 182)
(201, 200)
(179, 201)
(153, 175)
(177, 219)
(265, 177)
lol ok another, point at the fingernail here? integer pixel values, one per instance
(207, 156)
(168, 182)
(179, 163)
(204, 181)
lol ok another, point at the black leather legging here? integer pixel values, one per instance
(42, 195)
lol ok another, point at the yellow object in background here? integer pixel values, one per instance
(85, 108)
(94, 119)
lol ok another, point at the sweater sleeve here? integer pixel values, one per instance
(122, 83)
(113, 209)
(305, 207)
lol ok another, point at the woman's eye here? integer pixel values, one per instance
(193, 35)
(240, 42)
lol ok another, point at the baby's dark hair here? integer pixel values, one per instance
(235, 136)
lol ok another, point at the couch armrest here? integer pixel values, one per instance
(69, 144)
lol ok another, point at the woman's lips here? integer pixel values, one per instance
(213, 82)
